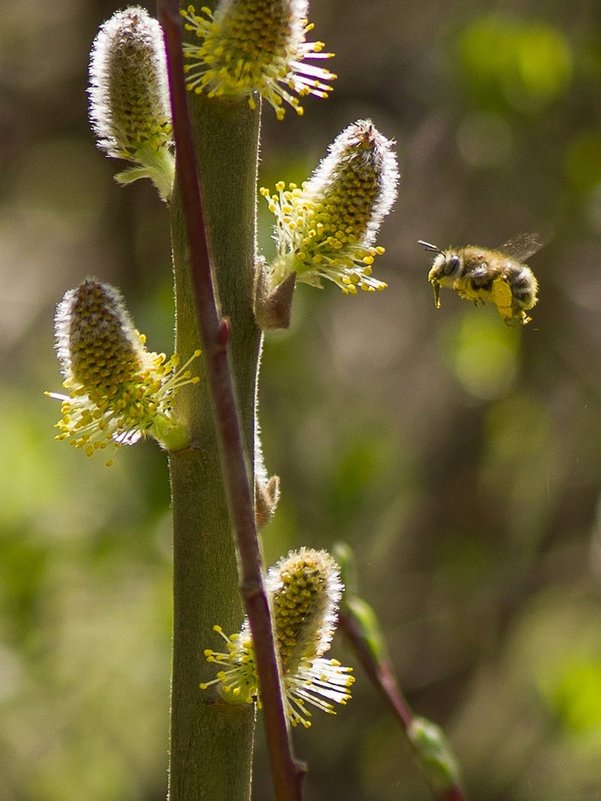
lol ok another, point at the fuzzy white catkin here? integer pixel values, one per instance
(129, 95)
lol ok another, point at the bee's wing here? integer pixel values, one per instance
(522, 246)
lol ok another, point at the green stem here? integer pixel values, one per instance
(211, 744)
(204, 736)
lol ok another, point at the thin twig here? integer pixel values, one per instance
(382, 677)
(287, 773)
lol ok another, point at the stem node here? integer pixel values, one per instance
(250, 588)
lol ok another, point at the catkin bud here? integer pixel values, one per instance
(305, 589)
(435, 755)
(327, 227)
(129, 97)
(118, 391)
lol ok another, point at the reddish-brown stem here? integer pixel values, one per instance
(381, 675)
(287, 773)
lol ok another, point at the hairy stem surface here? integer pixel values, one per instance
(211, 742)
(214, 229)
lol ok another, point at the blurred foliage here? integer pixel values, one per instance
(459, 458)
(520, 64)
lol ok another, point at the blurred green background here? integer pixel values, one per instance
(460, 458)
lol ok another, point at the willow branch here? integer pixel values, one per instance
(382, 677)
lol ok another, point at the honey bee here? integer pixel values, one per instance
(483, 275)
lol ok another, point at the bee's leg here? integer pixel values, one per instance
(506, 313)
(502, 297)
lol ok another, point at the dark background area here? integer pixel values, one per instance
(459, 457)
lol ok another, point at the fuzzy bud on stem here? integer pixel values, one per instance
(118, 391)
(327, 227)
(305, 590)
(435, 755)
(129, 97)
(267, 495)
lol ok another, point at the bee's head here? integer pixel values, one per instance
(445, 269)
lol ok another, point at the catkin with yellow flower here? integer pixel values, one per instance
(250, 48)
(118, 392)
(304, 589)
(326, 228)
